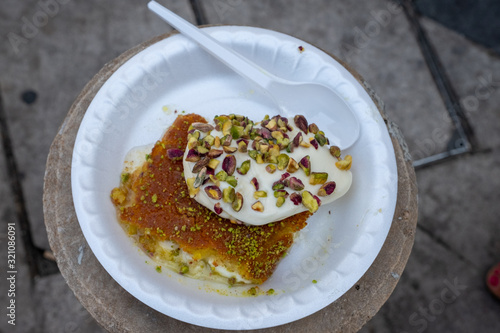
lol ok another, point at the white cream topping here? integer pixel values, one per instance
(321, 161)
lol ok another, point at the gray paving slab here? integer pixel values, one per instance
(56, 60)
(374, 38)
(62, 312)
(21, 289)
(438, 292)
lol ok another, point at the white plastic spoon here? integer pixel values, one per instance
(332, 114)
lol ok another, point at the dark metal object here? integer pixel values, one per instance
(462, 140)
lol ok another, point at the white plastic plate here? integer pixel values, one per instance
(136, 105)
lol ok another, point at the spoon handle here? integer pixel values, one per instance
(227, 56)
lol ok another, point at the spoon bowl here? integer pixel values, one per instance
(291, 98)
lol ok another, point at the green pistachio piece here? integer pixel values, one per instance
(313, 128)
(243, 169)
(195, 135)
(258, 206)
(260, 194)
(305, 164)
(221, 175)
(231, 180)
(213, 163)
(242, 147)
(209, 139)
(226, 127)
(238, 202)
(277, 135)
(280, 201)
(253, 154)
(271, 168)
(236, 131)
(201, 150)
(335, 151)
(228, 194)
(318, 178)
(283, 161)
(309, 201)
(320, 138)
(292, 166)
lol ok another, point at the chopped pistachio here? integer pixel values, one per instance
(335, 151)
(201, 164)
(327, 189)
(292, 166)
(309, 201)
(260, 194)
(214, 153)
(236, 131)
(253, 154)
(243, 169)
(175, 154)
(282, 161)
(228, 194)
(221, 175)
(320, 138)
(238, 202)
(271, 168)
(217, 208)
(263, 148)
(305, 164)
(229, 164)
(217, 142)
(209, 139)
(226, 127)
(259, 159)
(192, 143)
(318, 178)
(242, 147)
(231, 180)
(226, 140)
(344, 164)
(280, 193)
(192, 190)
(301, 123)
(214, 180)
(200, 177)
(313, 128)
(202, 150)
(213, 192)
(278, 185)
(272, 125)
(258, 206)
(280, 201)
(229, 150)
(193, 156)
(202, 127)
(255, 183)
(213, 163)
